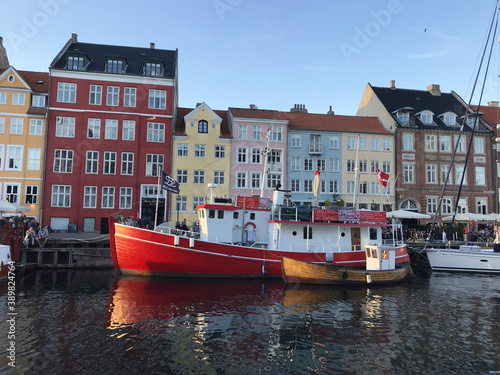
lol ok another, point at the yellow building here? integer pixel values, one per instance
(200, 155)
(23, 114)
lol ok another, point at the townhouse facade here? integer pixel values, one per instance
(427, 131)
(109, 134)
(201, 156)
(23, 115)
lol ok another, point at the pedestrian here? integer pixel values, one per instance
(29, 237)
(43, 236)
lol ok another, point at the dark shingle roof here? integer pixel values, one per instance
(180, 125)
(97, 54)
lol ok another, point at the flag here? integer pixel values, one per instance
(316, 183)
(168, 183)
(383, 177)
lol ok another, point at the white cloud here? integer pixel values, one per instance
(427, 55)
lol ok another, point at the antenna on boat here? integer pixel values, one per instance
(211, 197)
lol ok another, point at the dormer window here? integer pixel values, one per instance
(116, 66)
(404, 118)
(38, 101)
(426, 117)
(450, 119)
(153, 69)
(202, 126)
(75, 63)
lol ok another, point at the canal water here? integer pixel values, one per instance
(94, 322)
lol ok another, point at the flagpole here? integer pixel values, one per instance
(157, 197)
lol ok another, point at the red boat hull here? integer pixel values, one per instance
(137, 251)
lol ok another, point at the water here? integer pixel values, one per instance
(93, 322)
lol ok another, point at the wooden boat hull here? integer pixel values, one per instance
(295, 271)
(455, 260)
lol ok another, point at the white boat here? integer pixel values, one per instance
(465, 259)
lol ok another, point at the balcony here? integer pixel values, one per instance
(315, 149)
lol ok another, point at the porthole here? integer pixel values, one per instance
(294, 232)
(342, 234)
(11, 78)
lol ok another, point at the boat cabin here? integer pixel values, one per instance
(380, 258)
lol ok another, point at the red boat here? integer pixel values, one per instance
(247, 236)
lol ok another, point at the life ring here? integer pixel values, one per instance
(250, 223)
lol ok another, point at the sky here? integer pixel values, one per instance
(274, 54)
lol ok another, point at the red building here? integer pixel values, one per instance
(109, 134)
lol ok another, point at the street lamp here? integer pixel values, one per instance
(178, 204)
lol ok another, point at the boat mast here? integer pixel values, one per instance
(356, 169)
(265, 153)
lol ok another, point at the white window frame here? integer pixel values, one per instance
(295, 140)
(154, 162)
(34, 158)
(334, 142)
(129, 96)
(156, 132)
(182, 150)
(18, 98)
(198, 176)
(128, 130)
(113, 96)
(111, 129)
(14, 153)
(125, 200)
(66, 92)
(90, 197)
(199, 151)
(241, 180)
(60, 196)
(255, 180)
(219, 152)
(157, 99)
(478, 145)
(63, 161)
(36, 126)
(65, 128)
(480, 175)
(219, 177)
(408, 142)
(16, 125)
(256, 132)
(108, 197)
(109, 163)
(94, 127)
(408, 173)
(242, 132)
(430, 142)
(182, 176)
(95, 94)
(92, 162)
(127, 164)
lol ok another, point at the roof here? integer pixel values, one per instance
(421, 100)
(38, 81)
(37, 111)
(255, 113)
(97, 54)
(180, 125)
(340, 123)
(491, 115)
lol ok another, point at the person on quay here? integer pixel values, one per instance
(43, 236)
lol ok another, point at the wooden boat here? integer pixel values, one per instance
(296, 271)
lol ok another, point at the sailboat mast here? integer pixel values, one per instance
(264, 153)
(356, 169)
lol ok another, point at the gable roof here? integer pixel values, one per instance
(97, 54)
(339, 123)
(38, 81)
(180, 125)
(491, 115)
(255, 113)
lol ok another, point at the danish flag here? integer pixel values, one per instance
(383, 177)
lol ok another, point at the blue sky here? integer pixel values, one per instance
(271, 53)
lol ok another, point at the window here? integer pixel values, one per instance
(294, 164)
(334, 142)
(256, 153)
(481, 206)
(459, 171)
(446, 206)
(445, 143)
(74, 63)
(220, 152)
(431, 174)
(350, 187)
(65, 127)
(375, 144)
(408, 173)
(113, 96)
(115, 66)
(363, 143)
(274, 157)
(295, 140)
(128, 130)
(156, 132)
(2, 150)
(444, 173)
(242, 132)
(14, 158)
(386, 167)
(478, 145)
(66, 92)
(157, 99)
(351, 143)
(111, 129)
(432, 205)
(450, 119)
(460, 144)
(36, 127)
(92, 162)
(16, 125)
(295, 185)
(242, 155)
(89, 196)
(2, 125)
(95, 94)
(182, 176)
(125, 198)
(202, 126)
(63, 161)
(198, 177)
(219, 177)
(241, 179)
(108, 197)
(462, 206)
(275, 134)
(404, 118)
(308, 164)
(256, 132)
(308, 186)
(129, 95)
(350, 165)
(34, 159)
(321, 165)
(38, 101)
(127, 163)
(374, 187)
(181, 204)
(18, 99)
(273, 180)
(408, 142)
(363, 166)
(31, 195)
(386, 144)
(3, 98)
(426, 117)
(61, 196)
(199, 151)
(363, 187)
(334, 187)
(197, 201)
(94, 128)
(255, 180)
(153, 164)
(109, 166)
(182, 149)
(480, 175)
(430, 142)
(153, 69)
(12, 192)
(374, 165)
(335, 165)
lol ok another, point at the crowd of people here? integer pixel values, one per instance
(35, 234)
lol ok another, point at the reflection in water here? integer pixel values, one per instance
(91, 322)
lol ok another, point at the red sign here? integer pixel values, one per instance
(247, 202)
(325, 215)
(373, 217)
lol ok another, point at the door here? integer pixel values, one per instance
(355, 239)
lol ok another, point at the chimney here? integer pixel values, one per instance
(74, 38)
(493, 104)
(4, 61)
(253, 106)
(330, 112)
(392, 85)
(299, 108)
(152, 45)
(434, 90)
